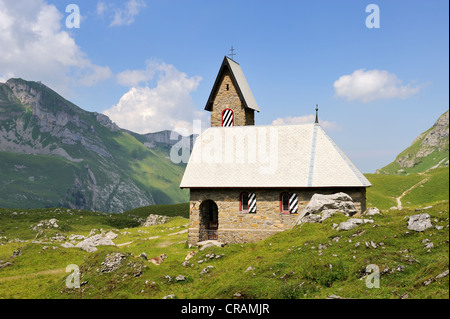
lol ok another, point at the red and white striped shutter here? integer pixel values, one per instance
(293, 203)
(252, 203)
(227, 118)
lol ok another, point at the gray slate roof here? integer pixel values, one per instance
(269, 156)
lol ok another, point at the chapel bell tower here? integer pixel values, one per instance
(231, 101)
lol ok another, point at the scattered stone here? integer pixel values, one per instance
(441, 275)
(5, 265)
(353, 223)
(46, 224)
(321, 246)
(67, 245)
(169, 296)
(334, 297)
(404, 296)
(154, 219)
(112, 262)
(439, 227)
(206, 270)
(399, 268)
(359, 233)
(180, 278)
(16, 253)
(371, 211)
(209, 243)
(419, 222)
(250, 268)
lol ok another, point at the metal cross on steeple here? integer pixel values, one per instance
(232, 54)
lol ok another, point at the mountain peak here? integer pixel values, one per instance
(428, 151)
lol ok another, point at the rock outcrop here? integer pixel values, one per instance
(154, 219)
(321, 207)
(90, 244)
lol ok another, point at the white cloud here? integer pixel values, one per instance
(167, 106)
(136, 77)
(305, 119)
(101, 8)
(34, 46)
(126, 15)
(371, 85)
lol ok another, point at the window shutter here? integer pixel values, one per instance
(293, 204)
(227, 118)
(252, 203)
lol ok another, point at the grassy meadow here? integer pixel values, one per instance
(311, 261)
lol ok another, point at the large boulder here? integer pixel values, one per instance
(419, 222)
(321, 207)
(90, 244)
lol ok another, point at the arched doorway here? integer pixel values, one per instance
(209, 220)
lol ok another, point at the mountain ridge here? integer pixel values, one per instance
(106, 168)
(429, 150)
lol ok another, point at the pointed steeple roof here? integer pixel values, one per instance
(239, 81)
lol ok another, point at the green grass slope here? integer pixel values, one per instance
(386, 188)
(308, 261)
(288, 265)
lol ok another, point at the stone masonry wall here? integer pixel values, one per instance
(229, 99)
(239, 227)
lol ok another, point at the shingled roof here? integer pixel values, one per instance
(239, 81)
(269, 157)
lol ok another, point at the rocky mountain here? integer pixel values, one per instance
(53, 153)
(428, 151)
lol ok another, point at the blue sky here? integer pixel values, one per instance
(150, 64)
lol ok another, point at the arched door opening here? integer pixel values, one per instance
(209, 220)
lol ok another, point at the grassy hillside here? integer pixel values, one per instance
(54, 153)
(429, 150)
(308, 261)
(386, 188)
